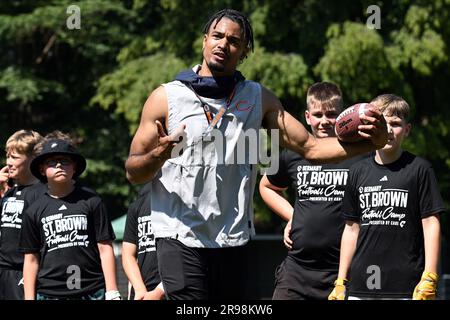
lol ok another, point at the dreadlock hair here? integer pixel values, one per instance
(234, 16)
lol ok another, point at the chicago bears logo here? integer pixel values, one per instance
(243, 105)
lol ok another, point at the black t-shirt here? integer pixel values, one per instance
(65, 232)
(138, 231)
(317, 224)
(14, 203)
(389, 202)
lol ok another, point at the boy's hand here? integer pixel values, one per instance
(4, 177)
(426, 288)
(154, 295)
(338, 292)
(139, 295)
(287, 233)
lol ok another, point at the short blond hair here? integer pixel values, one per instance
(327, 94)
(392, 105)
(23, 142)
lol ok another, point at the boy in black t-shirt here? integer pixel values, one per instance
(315, 224)
(67, 234)
(23, 190)
(390, 245)
(139, 241)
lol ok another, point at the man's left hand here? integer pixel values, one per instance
(375, 128)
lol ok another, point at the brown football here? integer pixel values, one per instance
(347, 122)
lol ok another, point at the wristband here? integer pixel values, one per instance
(112, 295)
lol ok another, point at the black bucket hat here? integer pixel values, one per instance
(57, 147)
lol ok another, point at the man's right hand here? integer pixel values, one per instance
(338, 292)
(166, 143)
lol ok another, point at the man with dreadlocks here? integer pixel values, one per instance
(202, 212)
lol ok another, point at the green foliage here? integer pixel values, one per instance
(23, 87)
(355, 58)
(127, 88)
(284, 74)
(137, 48)
(417, 44)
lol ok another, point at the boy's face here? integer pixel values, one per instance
(58, 168)
(18, 165)
(398, 130)
(321, 120)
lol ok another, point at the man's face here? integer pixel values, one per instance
(223, 47)
(321, 120)
(398, 130)
(18, 165)
(58, 168)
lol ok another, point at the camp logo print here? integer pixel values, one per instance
(11, 213)
(65, 231)
(317, 184)
(383, 207)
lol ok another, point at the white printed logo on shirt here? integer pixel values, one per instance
(145, 235)
(12, 212)
(65, 231)
(317, 184)
(383, 207)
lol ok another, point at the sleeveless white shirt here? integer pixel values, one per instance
(204, 198)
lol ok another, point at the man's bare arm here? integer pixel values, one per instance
(294, 135)
(151, 146)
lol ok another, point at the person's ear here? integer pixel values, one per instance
(307, 117)
(74, 166)
(42, 170)
(407, 129)
(244, 54)
(204, 41)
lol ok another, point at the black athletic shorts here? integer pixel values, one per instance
(294, 282)
(11, 284)
(202, 273)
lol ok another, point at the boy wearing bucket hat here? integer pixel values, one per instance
(66, 235)
(21, 191)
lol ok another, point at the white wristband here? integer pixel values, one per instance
(113, 295)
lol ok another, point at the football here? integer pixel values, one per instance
(347, 122)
